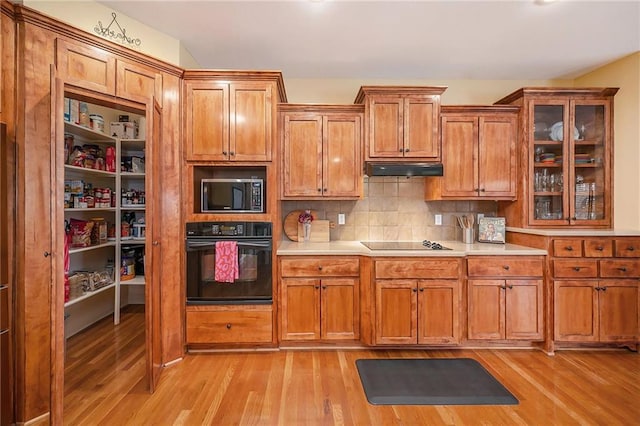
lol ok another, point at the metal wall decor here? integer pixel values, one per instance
(115, 32)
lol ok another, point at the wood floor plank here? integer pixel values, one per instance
(105, 385)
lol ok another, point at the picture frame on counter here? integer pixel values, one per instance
(491, 230)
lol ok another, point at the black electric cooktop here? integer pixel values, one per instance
(403, 245)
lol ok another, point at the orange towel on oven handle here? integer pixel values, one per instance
(226, 268)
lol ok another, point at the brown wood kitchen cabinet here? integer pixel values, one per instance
(230, 116)
(214, 325)
(596, 290)
(321, 151)
(505, 298)
(566, 158)
(401, 123)
(319, 298)
(478, 154)
(417, 301)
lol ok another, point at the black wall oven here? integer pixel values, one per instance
(254, 249)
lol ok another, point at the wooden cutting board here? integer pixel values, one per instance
(290, 226)
(319, 231)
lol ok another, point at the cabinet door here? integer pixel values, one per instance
(421, 127)
(206, 120)
(250, 124)
(386, 120)
(86, 66)
(459, 156)
(438, 312)
(524, 310)
(342, 174)
(396, 312)
(138, 82)
(300, 314)
(575, 311)
(618, 310)
(486, 309)
(302, 156)
(497, 156)
(340, 309)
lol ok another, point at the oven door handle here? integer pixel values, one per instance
(200, 245)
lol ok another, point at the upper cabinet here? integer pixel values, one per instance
(401, 123)
(478, 154)
(86, 66)
(566, 158)
(321, 151)
(95, 69)
(230, 117)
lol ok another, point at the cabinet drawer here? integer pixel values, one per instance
(488, 266)
(567, 248)
(314, 267)
(616, 268)
(417, 268)
(250, 326)
(598, 248)
(627, 248)
(575, 268)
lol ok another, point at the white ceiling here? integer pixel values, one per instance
(399, 39)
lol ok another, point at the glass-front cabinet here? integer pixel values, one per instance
(567, 150)
(570, 162)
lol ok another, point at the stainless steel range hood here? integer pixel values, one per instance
(403, 169)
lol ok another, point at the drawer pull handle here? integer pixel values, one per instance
(599, 248)
(630, 248)
(228, 326)
(506, 267)
(576, 268)
(568, 248)
(622, 268)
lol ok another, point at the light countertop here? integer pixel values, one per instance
(458, 249)
(577, 232)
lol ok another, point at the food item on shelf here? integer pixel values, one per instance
(80, 232)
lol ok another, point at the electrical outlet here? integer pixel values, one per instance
(340, 218)
(437, 219)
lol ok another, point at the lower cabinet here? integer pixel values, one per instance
(207, 325)
(596, 310)
(417, 301)
(596, 290)
(319, 298)
(505, 298)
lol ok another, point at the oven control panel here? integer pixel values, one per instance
(228, 229)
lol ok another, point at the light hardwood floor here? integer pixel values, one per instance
(105, 365)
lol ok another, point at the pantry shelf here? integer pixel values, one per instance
(88, 295)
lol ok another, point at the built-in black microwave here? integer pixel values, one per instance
(232, 196)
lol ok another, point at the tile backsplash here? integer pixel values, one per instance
(393, 209)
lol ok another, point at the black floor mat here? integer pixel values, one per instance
(457, 381)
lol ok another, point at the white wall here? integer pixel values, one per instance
(86, 15)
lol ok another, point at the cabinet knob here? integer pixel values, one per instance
(319, 189)
(47, 254)
(630, 248)
(506, 267)
(422, 289)
(568, 248)
(324, 287)
(599, 248)
(598, 288)
(406, 150)
(415, 290)
(232, 153)
(576, 268)
(317, 287)
(400, 150)
(320, 268)
(324, 189)
(224, 152)
(623, 269)
(504, 287)
(482, 190)
(228, 326)
(155, 242)
(603, 288)
(510, 287)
